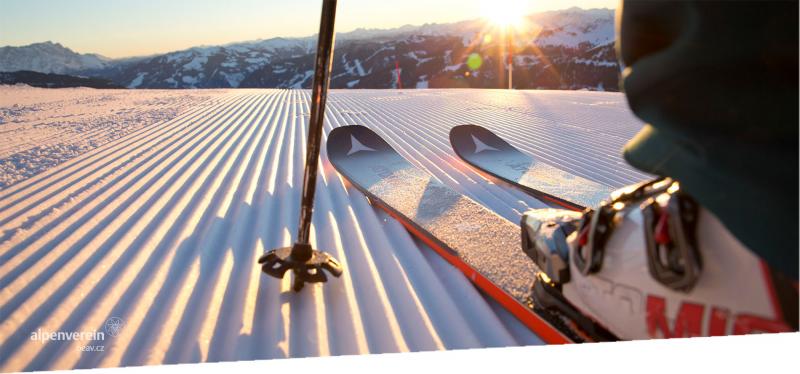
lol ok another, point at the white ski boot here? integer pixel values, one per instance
(651, 263)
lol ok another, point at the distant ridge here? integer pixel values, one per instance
(567, 49)
(45, 80)
(48, 57)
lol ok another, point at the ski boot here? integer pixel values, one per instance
(650, 263)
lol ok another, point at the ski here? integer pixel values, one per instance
(494, 156)
(477, 241)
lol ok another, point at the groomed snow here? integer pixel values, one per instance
(41, 128)
(162, 227)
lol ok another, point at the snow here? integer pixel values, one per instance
(359, 68)
(47, 57)
(182, 55)
(453, 67)
(568, 27)
(423, 82)
(161, 224)
(354, 69)
(420, 60)
(188, 79)
(257, 60)
(273, 44)
(575, 26)
(233, 79)
(136, 82)
(381, 49)
(526, 60)
(584, 61)
(238, 48)
(44, 128)
(298, 79)
(197, 63)
(172, 81)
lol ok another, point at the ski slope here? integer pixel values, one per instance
(41, 128)
(161, 228)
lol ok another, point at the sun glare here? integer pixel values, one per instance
(503, 12)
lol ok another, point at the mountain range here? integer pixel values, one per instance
(564, 49)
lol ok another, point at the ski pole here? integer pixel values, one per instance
(306, 263)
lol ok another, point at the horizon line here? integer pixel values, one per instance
(281, 37)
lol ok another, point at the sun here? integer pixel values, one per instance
(503, 13)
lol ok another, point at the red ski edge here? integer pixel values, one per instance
(542, 328)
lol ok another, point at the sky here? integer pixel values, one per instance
(123, 28)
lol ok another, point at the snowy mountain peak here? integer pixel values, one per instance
(47, 57)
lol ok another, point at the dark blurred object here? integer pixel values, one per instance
(717, 83)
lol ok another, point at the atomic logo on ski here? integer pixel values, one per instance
(356, 146)
(524, 171)
(481, 146)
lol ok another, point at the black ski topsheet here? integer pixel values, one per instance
(489, 153)
(480, 243)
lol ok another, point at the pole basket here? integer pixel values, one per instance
(307, 264)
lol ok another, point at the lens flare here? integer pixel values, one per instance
(474, 61)
(503, 12)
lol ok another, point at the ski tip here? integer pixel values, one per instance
(352, 141)
(468, 140)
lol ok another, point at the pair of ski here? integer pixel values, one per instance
(477, 241)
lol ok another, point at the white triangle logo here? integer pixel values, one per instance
(481, 146)
(356, 146)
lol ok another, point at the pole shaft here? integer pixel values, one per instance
(319, 94)
(510, 57)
